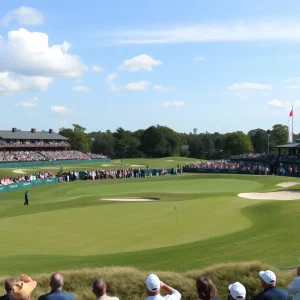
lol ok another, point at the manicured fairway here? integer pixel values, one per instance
(68, 225)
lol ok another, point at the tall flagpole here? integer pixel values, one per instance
(292, 124)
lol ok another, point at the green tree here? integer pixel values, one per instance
(104, 144)
(259, 140)
(279, 135)
(236, 143)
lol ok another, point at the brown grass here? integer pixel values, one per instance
(128, 283)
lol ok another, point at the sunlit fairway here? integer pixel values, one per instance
(68, 225)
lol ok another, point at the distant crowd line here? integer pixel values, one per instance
(20, 156)
(22, 288)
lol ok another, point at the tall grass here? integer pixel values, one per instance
(128, 283)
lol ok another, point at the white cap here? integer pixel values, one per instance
(153, 283)
(267, 276)
(237, 291)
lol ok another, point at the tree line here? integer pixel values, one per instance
(161, 141)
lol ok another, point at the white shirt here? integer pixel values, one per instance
(175, 296)
(105, 297)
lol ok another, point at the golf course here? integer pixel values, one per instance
(190, 221)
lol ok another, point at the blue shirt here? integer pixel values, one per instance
(57, 295)
(273, 293)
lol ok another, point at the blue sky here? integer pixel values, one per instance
(212, 65)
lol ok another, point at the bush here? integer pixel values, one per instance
(128, 283)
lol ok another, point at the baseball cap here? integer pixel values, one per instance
(22, 289)
(267, 276)
(153, 283)
(237, 291)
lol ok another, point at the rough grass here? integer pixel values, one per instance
(128, 283)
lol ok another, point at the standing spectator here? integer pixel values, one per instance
(154, 286)
(270, 292)
(23, 288)
(56, 284)
(237, 291)
(8, 286)
(294, 288)
(100, 289)
(206, 289)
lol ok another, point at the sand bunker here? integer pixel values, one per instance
(19, 171)
(287, 184)
(137, 165)
(106, 165)
(131, 199)
(280, 195)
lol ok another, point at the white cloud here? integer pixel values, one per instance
(140, 62)
(172, 103)
(81, 88)
(199, 59)
(161, 88)
(279, 104)
(27, 103)
(95, 68)
(133, 86)
(28, 53)
(11, 83)
(60, 109)
(253, 30)
(136, 86)
(249, 86)
(24, 15)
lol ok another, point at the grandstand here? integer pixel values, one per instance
(17, 145)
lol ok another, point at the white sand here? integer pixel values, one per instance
(280, 195)
(19, 171)
(137, 165)
(128, 199)
(106, 165)
(287, 184)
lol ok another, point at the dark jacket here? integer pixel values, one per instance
(273, 293)
(57, 295)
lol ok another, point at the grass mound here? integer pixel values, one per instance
(128, 283)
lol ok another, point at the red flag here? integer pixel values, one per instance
(291, 113)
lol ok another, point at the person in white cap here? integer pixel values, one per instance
(154, 286)
(294, 288)
(237, 291)
(270, 292)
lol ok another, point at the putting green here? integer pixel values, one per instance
(67, 225)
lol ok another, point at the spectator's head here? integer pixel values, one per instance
(8, 285)
(99, 287)
(237, 291)
(267, 278)
(56, 282)
(22, 290)
(206, 289)
(153, 285)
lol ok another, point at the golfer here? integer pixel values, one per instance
(26, 198)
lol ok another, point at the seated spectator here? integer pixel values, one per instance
(56, 284)
(237, 291)
(268, 283)
(154, 286)
(8, 286)
(206, 289)
(23, 288)
(294, 288)
(100, 289)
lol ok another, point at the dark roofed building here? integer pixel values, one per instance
(31, 140)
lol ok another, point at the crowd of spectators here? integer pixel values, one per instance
(14, 156)
(33, 142)
(205, 289)
(6, 156)
(25, 178)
